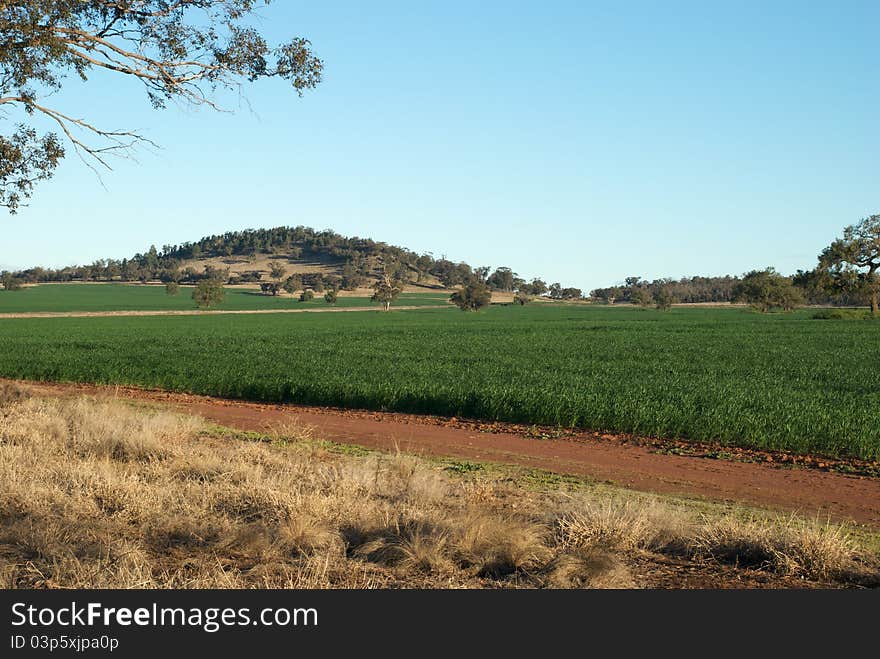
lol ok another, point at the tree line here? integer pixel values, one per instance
(847, 274)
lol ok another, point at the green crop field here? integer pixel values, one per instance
(132, 297)
(780, 381)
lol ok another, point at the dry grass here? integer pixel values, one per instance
(814, 550)
(102, 494)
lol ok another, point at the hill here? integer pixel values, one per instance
(300, 255)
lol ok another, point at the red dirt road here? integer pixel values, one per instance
(806, 491)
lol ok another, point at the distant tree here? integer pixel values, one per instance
(385, 291)
(473, 296)
(330, 296)
(852, 263)
(482, 273)
(555, 291)
(642, 297)
(172, 288)
(209, 292)
(664, 298)
(10, 283)
(522, 298)
(292, 284)
(181, 51)
(277, 271)
(218, 274)
(270, 287)
(767, 289)
(307, 295)
(501, 280)
(536, 287)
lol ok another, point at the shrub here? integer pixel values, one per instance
(172, 288)
(844, 314)
(307, 295)
(330, 296)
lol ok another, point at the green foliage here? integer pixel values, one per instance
(778, 381)
(10, 283)
(844, 314)
(180, 51)
(208, 293)
(642, 297)
(385, 291)
(172, 288)
(664, 298)
(522, 298)
(292, 284)
(852, 263)
(767, 289)
(501, 280)
(307, 295)
(330, 296)
(277, 271)
(473, 296)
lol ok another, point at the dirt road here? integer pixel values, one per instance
(807, 491)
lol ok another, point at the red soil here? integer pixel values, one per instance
(619, 460)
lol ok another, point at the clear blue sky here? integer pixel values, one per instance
(580, 141)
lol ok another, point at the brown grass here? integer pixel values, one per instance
(106, 495)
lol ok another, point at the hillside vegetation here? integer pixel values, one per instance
(299, 257)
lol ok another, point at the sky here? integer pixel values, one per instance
(582, 142)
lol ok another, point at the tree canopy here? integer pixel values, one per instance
(852, 263)
(180, 50)
(473, 296)
(767, 289)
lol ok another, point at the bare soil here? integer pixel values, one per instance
(622, 460)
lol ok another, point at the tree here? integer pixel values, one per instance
(10, 283)
(502, 279)
(385, 291)
(208, 292)
(181, 51)
(522, 298)
(277, 271)
(767, 289)
(307, 295)
(292, 284)
(664, 298)
(642, 297)
(852, 263)
(172, 288)
(270, 288)
(473, 296)
(537, 287)
(330, 296)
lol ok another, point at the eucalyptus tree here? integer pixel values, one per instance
(852, 262)
(181, 51)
